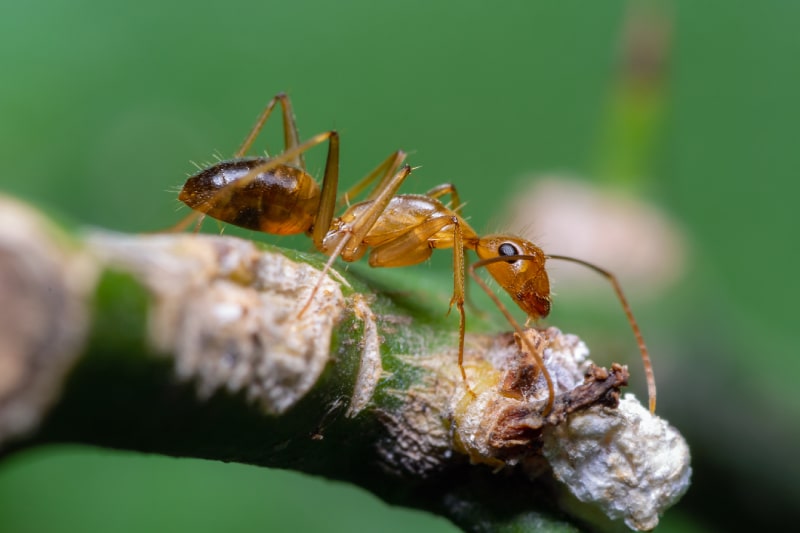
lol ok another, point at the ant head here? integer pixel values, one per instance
(524, 278)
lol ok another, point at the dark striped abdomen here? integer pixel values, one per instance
(282, 201)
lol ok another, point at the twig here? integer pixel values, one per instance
(191, 345)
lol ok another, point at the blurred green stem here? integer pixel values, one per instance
(638, 97)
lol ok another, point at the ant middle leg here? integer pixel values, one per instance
(387, 168)
(338, 241)
(447, 188)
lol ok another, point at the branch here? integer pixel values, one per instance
(191, 345)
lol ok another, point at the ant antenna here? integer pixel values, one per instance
(648, 367)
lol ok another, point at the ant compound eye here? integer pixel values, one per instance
(507, 249)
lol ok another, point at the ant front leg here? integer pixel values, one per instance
(459, 295)
(378, 200)
(456, 206)
(416, 244)
(648, 365)
(534, 352)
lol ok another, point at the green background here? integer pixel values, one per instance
(103, 106)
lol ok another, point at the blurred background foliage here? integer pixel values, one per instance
(691, 110)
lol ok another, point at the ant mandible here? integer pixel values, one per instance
(276, 195)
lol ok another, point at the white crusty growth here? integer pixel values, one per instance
(230, 313)
(631, 464)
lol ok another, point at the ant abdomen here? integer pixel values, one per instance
(282, 201)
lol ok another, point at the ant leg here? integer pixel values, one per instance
(379, 199)
(411, 247)
(447, 188)
(459, 295)
(251, 137)
(439, 191)
(291, 137)
(387, 168)
(185, 223)
(200, 223)
(386, 187)
(415, 246)
(456, 205)
(648, 366)
(224, 193)
(327, 202)
(322, 222)
(359, 228)
(291, 140)
(195, 216)
(503, 309)
(281, 159)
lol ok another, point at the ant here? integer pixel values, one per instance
(276, 195)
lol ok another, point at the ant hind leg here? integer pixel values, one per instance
(291, 137)
(195, 216)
